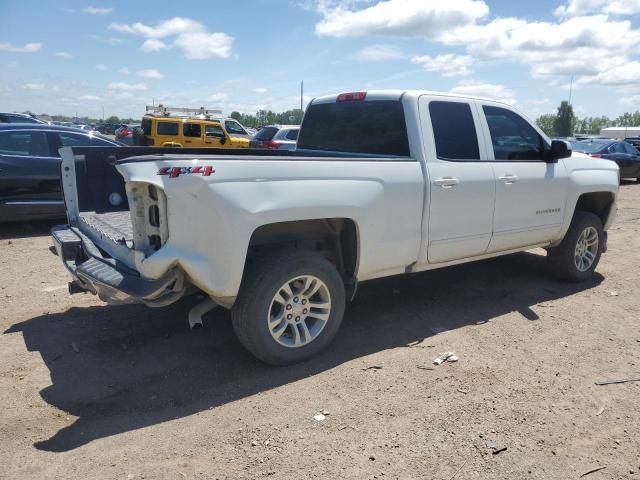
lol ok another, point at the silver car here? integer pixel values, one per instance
(276, 137)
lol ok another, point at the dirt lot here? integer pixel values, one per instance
(93, 391)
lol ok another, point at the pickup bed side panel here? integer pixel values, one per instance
(211, 218)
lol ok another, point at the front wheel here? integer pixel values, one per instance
(577, 256)
(290, 307)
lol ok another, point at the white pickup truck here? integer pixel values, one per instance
(381, 183)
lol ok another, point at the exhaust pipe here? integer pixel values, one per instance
(198, 311)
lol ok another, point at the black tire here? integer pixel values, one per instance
(259, 286)
(561, 259)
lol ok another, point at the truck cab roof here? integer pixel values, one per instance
(373, 95)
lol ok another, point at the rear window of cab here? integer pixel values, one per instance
(362, 127)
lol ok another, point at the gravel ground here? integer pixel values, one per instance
(93, 391)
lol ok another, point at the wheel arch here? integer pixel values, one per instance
(598, 203)
(337, 239)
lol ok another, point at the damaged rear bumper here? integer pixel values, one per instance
(108, 278)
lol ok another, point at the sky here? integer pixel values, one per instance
(114, 56)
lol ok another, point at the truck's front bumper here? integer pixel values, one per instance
(112, 281)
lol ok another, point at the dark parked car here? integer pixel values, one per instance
(30, 168)
(635, 141)
(276, 137)
(19, 118)
(624, 154)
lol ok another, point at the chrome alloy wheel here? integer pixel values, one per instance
(299, 311)
(586, 249)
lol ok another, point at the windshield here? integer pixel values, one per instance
(374, 127)
(588, 147)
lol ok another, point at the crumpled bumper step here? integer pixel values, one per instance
(112, 282)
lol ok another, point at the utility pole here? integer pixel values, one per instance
(301, 94)
(570, 89)
(102, 113)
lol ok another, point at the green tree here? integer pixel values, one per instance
(565, 120)
(546, 123)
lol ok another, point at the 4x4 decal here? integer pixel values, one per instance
(174, 172)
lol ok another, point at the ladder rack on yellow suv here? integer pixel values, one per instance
(162, 111)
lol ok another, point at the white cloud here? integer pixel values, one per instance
(63, 55)
(152, 45)
(97, 10)
(166, 28)
(538, 102)
(26, 48)
(150, 73)
(484, 89)
(33, 86)
(584, 7)
(108, 40)
(198, 46)
(447, 65)
(631, 100)
(625, 73)
(398, 17)
(101, 67)
(91, 98)
(576, 46)
(192, 37)
(375, 53)
(587, 46)
(124, 71)
(218, 97)
(260, 90)
(129, 87)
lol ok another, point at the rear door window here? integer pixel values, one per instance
(513, 138)
(454, 131)
(361, 127)
(24, 144)
(168, 128)
(192, 130)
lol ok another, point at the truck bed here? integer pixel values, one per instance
(112, 226)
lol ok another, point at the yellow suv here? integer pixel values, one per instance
(199, 131)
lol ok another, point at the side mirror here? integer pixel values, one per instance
(559, 149)
(223, 140)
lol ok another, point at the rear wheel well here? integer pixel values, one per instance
(598, 203)
(334, 238)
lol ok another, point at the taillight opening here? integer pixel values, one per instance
(351, 96)
(596, 155)
(271, 144)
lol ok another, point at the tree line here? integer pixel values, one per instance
(260, 118)
(564, 123)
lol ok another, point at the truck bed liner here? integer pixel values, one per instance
(113, 226)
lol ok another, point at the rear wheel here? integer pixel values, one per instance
(577, 257)
(290, 307)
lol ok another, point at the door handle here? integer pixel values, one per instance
(446, 182)
(508, 179)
